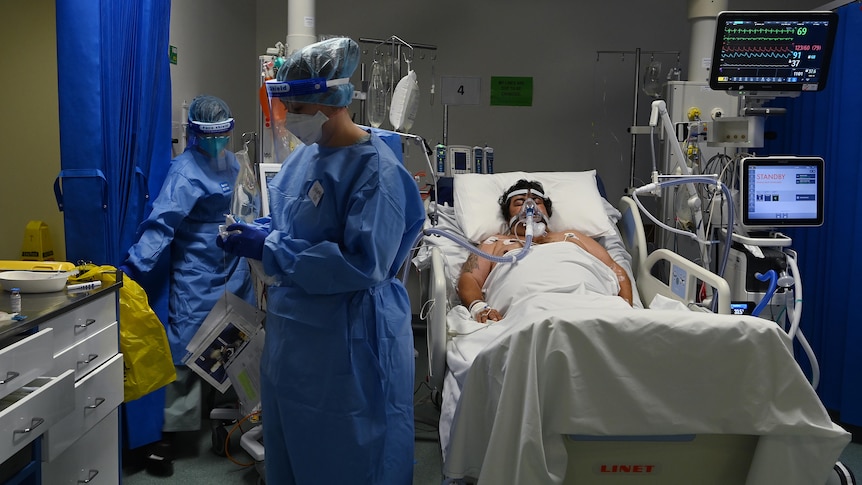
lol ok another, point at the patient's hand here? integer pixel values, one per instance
(489, 314)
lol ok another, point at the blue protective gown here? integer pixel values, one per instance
(186, 214)
(338, 367)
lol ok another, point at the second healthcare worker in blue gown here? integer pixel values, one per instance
(185, 218)
(337, 372)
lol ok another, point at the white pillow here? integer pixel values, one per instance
(577, 203)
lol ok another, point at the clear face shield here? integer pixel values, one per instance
(211, 138)
(288, 128)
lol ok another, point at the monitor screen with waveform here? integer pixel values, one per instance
(772, 52)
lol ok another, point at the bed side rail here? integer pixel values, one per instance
(683, 278)
(436, 324)
(683, 274)
(631, 231)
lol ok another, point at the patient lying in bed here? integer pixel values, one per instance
(572, 357)
(576, 264)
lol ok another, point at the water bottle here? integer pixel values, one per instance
(16, 300)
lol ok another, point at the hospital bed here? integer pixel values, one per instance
(579, 390)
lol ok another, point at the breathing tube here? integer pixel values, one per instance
(770, 290)
(691, 180)
(794, 313)
(528, 242)
(527, 215)
(473, 249)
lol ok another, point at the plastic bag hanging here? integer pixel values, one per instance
(378, 96)
(652, 83)
(245, 206)
(405, 102)
(245, 203)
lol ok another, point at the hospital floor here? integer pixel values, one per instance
(197, 464)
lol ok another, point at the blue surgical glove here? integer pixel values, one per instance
(243, 240)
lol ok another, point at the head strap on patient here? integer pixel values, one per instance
(525, 192)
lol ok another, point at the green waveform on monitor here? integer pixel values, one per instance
(759, 30)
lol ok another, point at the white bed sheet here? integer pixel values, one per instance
(588, 364)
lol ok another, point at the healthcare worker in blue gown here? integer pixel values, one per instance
(337, 372)
(185, 219)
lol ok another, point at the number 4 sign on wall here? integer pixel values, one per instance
(460, 90)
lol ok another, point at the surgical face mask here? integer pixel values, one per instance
(308, 128)
(213, 145)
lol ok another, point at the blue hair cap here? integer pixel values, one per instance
(208, 109)
(335, 58)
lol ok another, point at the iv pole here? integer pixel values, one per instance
(396, 44)
(635, 130)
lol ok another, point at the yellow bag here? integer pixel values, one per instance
(147, 363)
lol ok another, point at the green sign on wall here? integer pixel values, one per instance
(511, 91)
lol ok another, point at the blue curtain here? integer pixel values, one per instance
(826, 124)
(115, 120)
(115, 141)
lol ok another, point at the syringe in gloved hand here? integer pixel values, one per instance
(222, 228)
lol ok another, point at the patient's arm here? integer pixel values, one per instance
(474, 272)
(471, 280)
(597, 250)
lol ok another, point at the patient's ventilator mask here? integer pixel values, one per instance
(534, 220)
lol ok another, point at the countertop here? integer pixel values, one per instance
(41, 307)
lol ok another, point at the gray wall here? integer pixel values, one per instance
(583, 103)
(216, 55)
(578, 120)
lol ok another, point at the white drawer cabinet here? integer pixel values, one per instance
(96, 396)
(95, 458)
(89, 353)
(25, 360)
(31, 410)
(76, 325)
(61, 381)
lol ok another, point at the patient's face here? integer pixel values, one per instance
(516, 202)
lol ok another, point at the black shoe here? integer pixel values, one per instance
(160, 460)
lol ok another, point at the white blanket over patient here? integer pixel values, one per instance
(586, 363)
(562, 268)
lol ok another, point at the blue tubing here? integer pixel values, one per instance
(773, 279)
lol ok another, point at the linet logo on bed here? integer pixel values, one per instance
(621, 469)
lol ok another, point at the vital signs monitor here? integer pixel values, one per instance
(772, 52)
